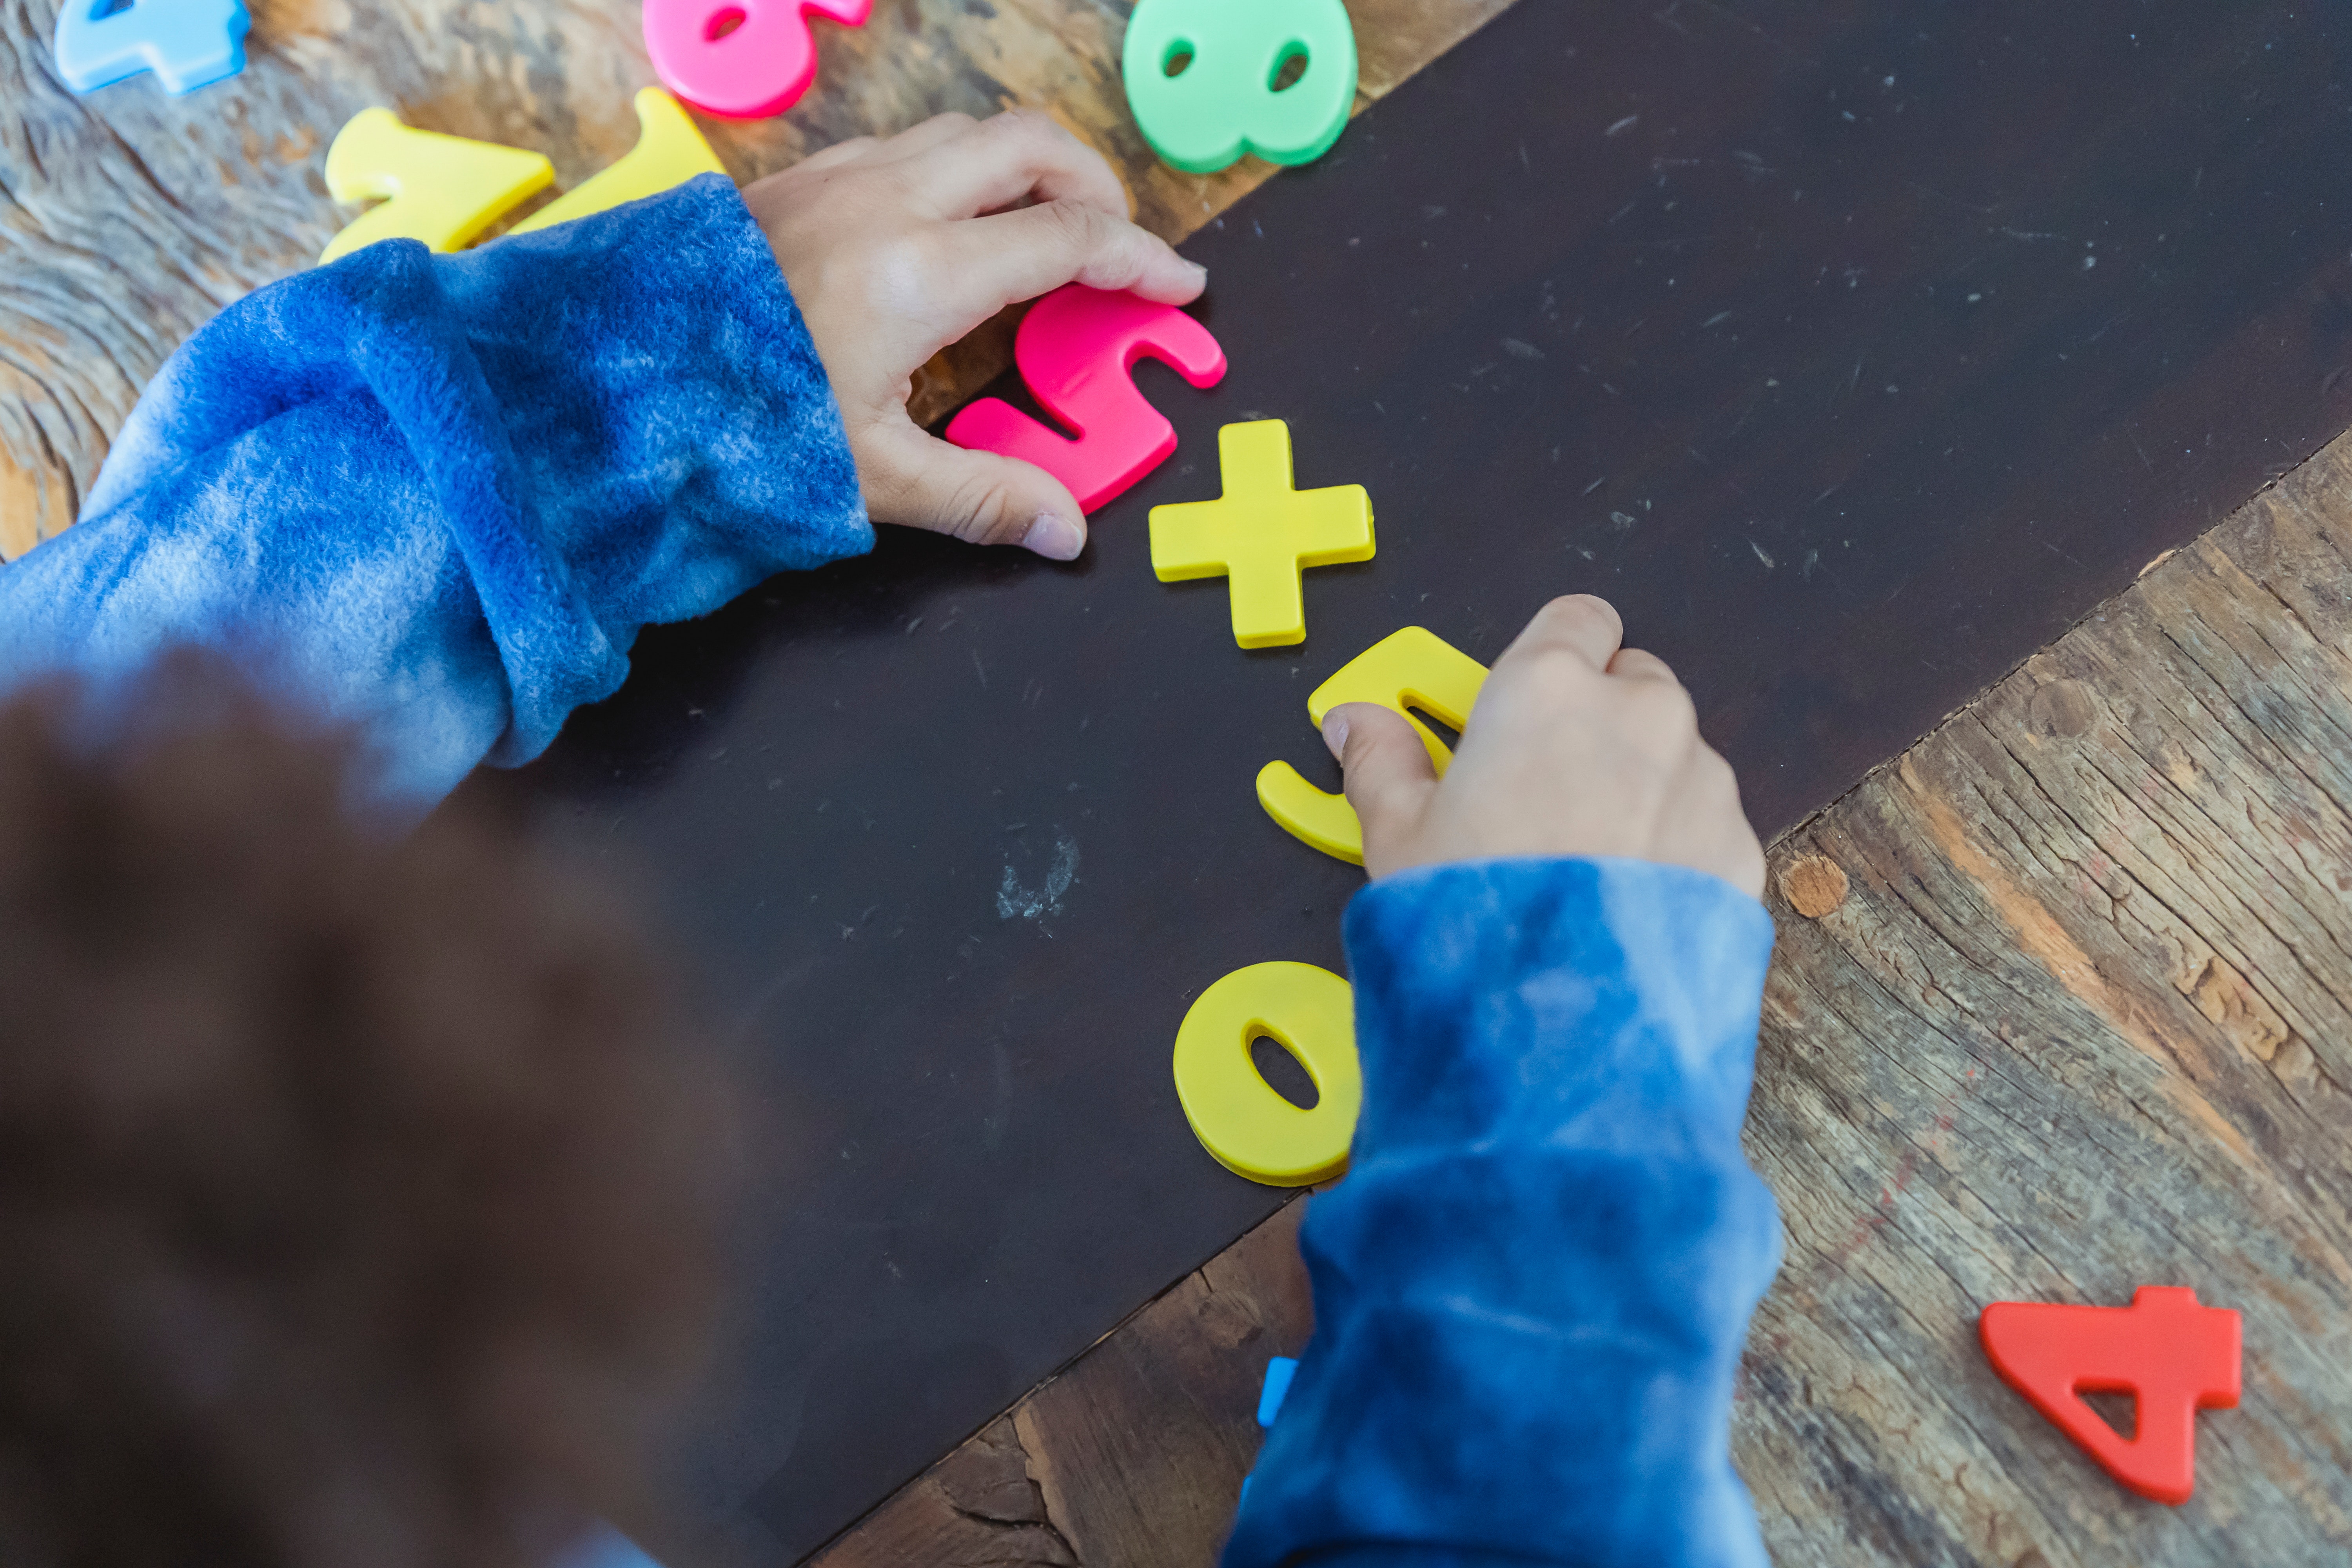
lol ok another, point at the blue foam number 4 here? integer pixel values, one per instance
(187, 43)
(1211, 79)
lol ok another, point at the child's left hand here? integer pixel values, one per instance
(895, 249)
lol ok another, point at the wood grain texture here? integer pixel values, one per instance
(129, 218)
(2062, 1007)
(2081, 1025)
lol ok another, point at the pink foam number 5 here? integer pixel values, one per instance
(745, 59)
(1077, 348)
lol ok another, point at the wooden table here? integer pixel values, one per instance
(2061, 1007)
(2058, 1005)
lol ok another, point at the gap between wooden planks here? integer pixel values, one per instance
(2062, 1006)
(131, 217)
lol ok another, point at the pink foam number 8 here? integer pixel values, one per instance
(745, 59)
(1078, 349)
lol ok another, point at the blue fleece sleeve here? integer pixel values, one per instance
(437, 496)
(1531, 1287)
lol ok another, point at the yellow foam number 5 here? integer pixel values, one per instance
(1407, 670)
(1211, 79)
(1236, 1114)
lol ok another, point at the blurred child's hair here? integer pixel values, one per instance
(357, 1206)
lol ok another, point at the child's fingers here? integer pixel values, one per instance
(907, 144)
(982, 498)
(1012, 157)
(994, 261)
(1580, 624)
(1640, 664)
(927, 135)
(853, 151)
(1389, 775)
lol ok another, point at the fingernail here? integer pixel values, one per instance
(1055, 537)
(1335, 732)
(1195, 266)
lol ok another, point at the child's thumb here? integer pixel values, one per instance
(1389, 771)
(917, 480)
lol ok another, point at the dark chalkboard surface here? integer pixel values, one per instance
(1853, 350)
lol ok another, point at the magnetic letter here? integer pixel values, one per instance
(1261, 535)
(1407, 670)
(669, 152)
(745, 59)
(187, 43)
(1202, 77)
(1236, 1114)
(443, 190)
(1077, 349)
(2172, 1355)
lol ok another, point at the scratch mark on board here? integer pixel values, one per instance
(1015, 901)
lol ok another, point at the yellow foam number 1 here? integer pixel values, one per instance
(1411, 668)
(1211, 79)
(1236, 1114)
(669, 152)
(443, 190)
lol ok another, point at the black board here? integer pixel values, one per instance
(1852, 349)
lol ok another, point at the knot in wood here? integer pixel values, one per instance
(2063, 708)
(1813, 885)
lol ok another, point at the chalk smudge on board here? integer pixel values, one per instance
(1015, 902)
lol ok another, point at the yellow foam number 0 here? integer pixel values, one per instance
(1211, 79)
(1411, 668)
(1236, 1114)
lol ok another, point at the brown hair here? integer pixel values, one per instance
(354, 1205)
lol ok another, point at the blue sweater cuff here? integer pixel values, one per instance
(1543, 998)
(437, 496)
(1532, 1286)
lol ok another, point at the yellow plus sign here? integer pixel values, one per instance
(1261, 533)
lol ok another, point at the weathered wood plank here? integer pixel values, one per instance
(2063, 1006)
(129, 218)
(2079, 1026)
(1135, 1455)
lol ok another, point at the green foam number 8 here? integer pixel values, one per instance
(1211, 79)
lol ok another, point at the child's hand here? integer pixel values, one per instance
(895, 249)
(1576, 747)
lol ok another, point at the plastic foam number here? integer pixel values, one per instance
(2170, 1354)
(1201, 77)
(443, 190)
(745, 59)
(669, 152)
(187, 43)
(1261, 535)
(1411, 668)
(1078, 349)
(1236, 1114)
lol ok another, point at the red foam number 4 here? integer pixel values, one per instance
(1078, 349)
(2170, 1354)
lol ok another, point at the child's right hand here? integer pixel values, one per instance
(1577, 746)
(895, 249)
